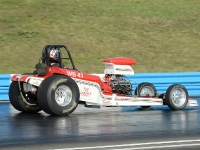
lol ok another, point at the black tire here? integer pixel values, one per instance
(47, 97)
(170, 98)
(143, 85)
(17, 102)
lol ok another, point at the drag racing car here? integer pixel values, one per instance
(57, 88)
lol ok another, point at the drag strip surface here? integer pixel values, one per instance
(109, 128)
(151, 145)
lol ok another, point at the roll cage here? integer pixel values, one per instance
(46, 54)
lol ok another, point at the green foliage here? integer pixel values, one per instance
(27, 33)
(162, 35)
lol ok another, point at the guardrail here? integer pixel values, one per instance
(4, 86)
(191, 80)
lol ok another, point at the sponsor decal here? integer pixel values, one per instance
(35, 81)
(86, 92)
(109, 66)
(18, 76)
(106, 102)
(65, 111)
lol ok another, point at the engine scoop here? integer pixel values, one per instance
(119, 65)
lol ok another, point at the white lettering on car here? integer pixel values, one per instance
(74, 74)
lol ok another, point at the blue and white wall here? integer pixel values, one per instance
(4, 86)
(191, 80)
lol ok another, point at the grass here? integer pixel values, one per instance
(161, 35)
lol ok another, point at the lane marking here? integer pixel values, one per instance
(127, 145)
(166, 146)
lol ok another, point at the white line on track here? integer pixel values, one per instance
(139, 144)
(154, 147)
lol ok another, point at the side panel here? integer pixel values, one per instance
(89, 91)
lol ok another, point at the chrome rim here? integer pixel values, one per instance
(63, 95)
(147, 91)
(178, 97)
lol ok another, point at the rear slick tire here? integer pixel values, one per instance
(176, 97)
(17, 102)
(58, 95)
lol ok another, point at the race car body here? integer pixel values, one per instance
(58, 90)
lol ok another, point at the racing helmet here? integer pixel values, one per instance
(54, 55)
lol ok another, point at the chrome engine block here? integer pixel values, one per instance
(119, 84)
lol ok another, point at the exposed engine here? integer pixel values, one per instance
(119, 84)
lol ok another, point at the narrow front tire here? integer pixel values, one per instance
(176, 97)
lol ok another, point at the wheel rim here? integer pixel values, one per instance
(178, 97)
(63, 95)
(147, 91)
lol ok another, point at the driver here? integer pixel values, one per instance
(54, 57)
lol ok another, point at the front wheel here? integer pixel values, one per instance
(58, 95)
(145, 89)
(176, 97)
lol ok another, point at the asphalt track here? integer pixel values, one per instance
(108, 128)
